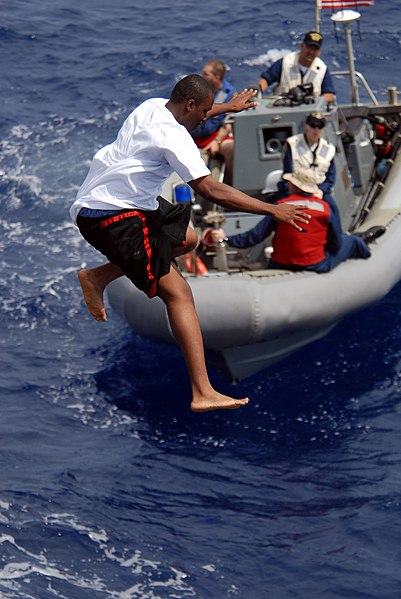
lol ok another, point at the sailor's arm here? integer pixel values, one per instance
(330, 179)
(229, 197)
(330, 98)
(263, 84)
(249, 238)
(328, 90)
(271, 75)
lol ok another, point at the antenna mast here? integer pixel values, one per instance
(346, 17)
(318, 8)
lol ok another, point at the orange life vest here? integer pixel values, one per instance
(306, 247)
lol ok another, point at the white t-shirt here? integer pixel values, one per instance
(130, 172)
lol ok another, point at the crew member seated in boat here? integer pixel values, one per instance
(310, 150)
(320, 247)
(300, 67)
(213, 135)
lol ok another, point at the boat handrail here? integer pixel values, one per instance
(363, 81)
(375, 187)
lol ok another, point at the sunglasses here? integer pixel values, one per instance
(316, 125)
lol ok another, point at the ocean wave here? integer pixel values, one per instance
(109, 572)
(266, 59)
(111, 487)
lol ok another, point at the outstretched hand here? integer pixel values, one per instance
(289, 213)
(242, 100)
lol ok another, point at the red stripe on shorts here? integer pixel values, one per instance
(146, 243)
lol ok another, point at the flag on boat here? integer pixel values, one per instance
(341, 4)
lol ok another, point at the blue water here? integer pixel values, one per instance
(110, 487)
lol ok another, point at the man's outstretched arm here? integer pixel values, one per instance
(238, 103)
(229, 197)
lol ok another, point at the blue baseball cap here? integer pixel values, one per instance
(313, 38)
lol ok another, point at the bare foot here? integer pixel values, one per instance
(216, 401)
(93, 294)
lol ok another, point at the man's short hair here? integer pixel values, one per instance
(191, 87)
(218, 68)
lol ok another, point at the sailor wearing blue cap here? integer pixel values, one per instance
(298, 68)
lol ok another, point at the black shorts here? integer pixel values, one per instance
(140, 242)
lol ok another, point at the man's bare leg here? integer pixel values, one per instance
(93, 283)
(177, 295)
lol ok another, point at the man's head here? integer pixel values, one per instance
(214, 72)
(310, 48)
(303, 180)
(190, 101)
(314, 127)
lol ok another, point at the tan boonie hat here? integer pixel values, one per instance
(305, 180)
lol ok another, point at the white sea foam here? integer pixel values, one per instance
(266, 59)
(48, 287)
(146, 573)
(4, 506)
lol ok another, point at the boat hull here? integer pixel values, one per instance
(254, 320)
(250, 320)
